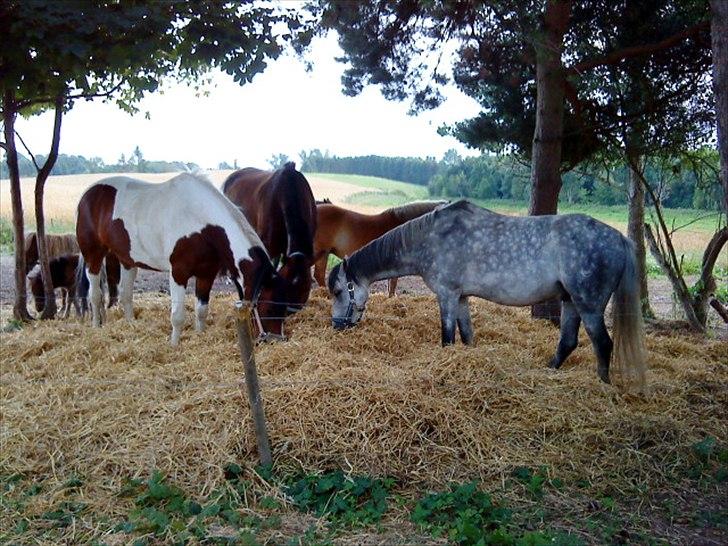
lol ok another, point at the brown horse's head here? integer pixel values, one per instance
(296, 271)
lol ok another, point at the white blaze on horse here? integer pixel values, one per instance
(184, 226)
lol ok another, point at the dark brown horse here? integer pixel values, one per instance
(60, 244)
(341, 232)
(63, 276)
(184, 226)
(281, 208)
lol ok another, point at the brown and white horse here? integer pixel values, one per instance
(341, 232)
(184, 226)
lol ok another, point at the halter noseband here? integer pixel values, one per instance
(341, 323)
(263, 335)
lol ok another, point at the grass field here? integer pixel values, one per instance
(366, 194)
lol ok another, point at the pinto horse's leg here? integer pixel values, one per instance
(96, 298)
(602, 343)
(126, 285)
(392, 286)
(202, 291)
(177, 315)
(448, 317)
(464, 324)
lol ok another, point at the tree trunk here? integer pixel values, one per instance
(20, 307)
(636, 227)
(719, 38)
(705, 287)
(49, 310)
(548, 135)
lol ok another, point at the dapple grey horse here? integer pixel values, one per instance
(463, 250)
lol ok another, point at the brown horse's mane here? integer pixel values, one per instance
(56, 244)
(407, 212)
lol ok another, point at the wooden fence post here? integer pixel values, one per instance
(247, 354)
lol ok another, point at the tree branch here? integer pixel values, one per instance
(55, 142)
(32, 157)
(640, 50)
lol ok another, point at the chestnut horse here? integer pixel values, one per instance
(342, 232)
(184, 226)
(281, 208)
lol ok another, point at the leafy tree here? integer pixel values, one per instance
(529, 64)
(278, 160)
(58, 52)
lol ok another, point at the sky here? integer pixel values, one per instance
(284, 110)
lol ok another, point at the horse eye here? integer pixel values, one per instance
(337, 293)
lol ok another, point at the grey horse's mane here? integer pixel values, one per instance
(379, 254)
(412, 210)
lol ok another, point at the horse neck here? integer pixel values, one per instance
(392, 255)
(298, 231)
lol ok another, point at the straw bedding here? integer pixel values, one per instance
(383, 398)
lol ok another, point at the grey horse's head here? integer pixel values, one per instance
(350, 297)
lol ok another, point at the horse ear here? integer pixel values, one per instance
(344, 264)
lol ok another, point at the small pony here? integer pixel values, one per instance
(462, 250)
(342, 232)
(184, 226)
(63, 275)
(281, 208)
(56, 244)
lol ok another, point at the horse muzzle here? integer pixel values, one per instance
(342, 323)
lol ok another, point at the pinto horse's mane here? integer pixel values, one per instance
(412, 210)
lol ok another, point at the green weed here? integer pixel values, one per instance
(351, 500)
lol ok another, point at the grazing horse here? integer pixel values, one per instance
(56, 244)
(342, 232)
(463, 250)
(184, 226)
(63, 276)
(281, 208)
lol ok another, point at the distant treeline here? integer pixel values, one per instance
(78, 164)
(406, 169)
(689, 183)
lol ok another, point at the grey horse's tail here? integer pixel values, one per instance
(628, 368)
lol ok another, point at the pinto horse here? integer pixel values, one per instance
(342, 232)
(281, 208)
(463, 250)
(184, 226)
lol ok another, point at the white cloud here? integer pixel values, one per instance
(284, 110)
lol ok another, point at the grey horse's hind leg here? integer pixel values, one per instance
(570, 321)
(464, 324)
(448, 317)
(602, 343)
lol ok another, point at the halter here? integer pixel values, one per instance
(341, 323)
(257, 289)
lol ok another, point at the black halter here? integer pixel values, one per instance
(340, 323)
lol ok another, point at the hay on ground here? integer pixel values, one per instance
(383, 398)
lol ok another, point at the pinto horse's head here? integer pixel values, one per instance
(296, 271)
(350, 297)
(267, 291)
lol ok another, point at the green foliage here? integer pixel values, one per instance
(412, 191)
(464, 514)
(352, 500)
(6, 236)
(710, 461)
